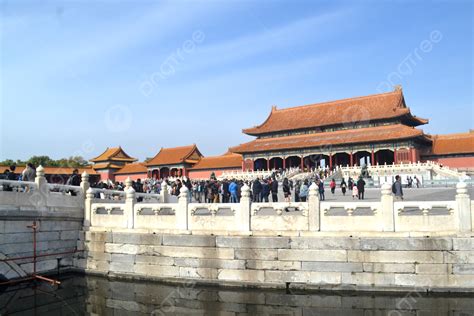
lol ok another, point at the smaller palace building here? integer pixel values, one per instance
(110, 161)
(173, 162)
(453, 150)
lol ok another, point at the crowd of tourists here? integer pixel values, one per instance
(228, 190)
(28, 174)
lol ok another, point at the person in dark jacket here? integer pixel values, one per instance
(138, 187)
(343, 186)
(177, 187)
(321, 190)
(350, 183)
(397, 188)
(265, 191)
(12, 175)
(257, 191)
(286, 190)
(225, 192)
(361, 188)
(74, 180)
(297, 191)
(274, 190)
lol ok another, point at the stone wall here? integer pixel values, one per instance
(395, 262)
(59, 217)
(57, 233)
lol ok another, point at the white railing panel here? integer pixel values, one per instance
(425, 216)
(155, 215)
(149, 197)
(351, 216)
(108, 195)
(108, 215)
(64, 189)
(17, 186)
(280, 216)
(213, 216)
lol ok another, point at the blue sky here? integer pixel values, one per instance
(79, 76)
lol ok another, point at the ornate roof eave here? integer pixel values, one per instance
(393, 104)
(253, 131)
(110, 156)
(291, 140)
(193, 148)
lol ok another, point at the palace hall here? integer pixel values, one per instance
(375, 129)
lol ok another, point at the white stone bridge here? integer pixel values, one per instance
(383, 244)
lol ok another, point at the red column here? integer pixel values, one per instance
(372, 158)
(413, 155)
(302, 163)
(268, 164)
(243, 164)
(184, 172)
(284, 163)
(395, 156)
(352, 159)
(330, 161)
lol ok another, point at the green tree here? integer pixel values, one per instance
(41, 160)
(72, 162)
(7, 162)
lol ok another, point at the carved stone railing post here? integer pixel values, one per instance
(313, 208)
(39, 198)
(164, 192)
(85, 184)
(128, 183)
(243, 219)
(88, 207)
(463, 202)
(182, 209)
(387, 208)
(40, 180)
(129, 205)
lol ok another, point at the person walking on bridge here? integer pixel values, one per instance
(361, 188)
(397, 188)
(286, 190)
(274, 189)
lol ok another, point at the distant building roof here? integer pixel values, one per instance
(133, 168)
(459, 143)
(358, 109)
(54, 170)
(113, 154)
(176, 155)
(341, 137)
(228, 160)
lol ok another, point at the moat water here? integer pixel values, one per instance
(80, 295)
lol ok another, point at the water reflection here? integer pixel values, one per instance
(79, 295)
